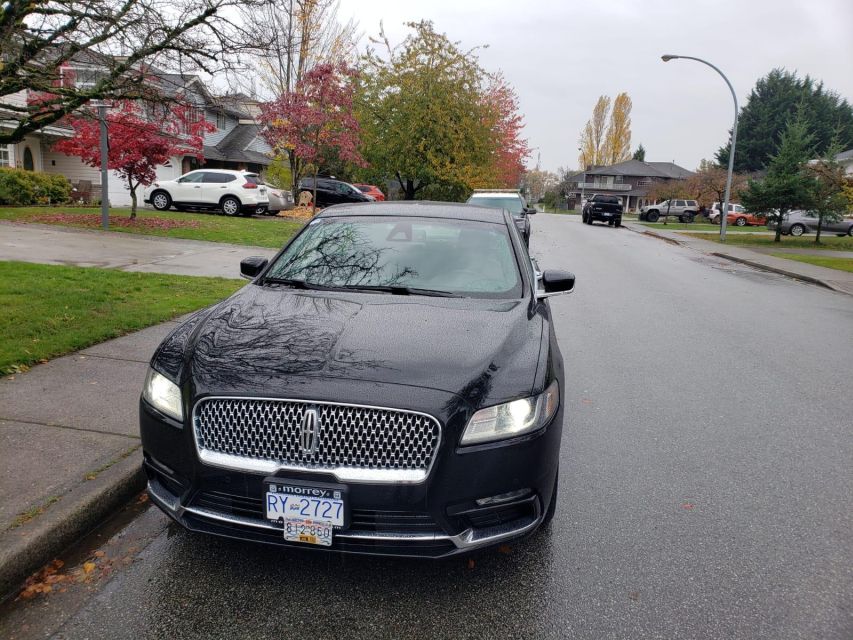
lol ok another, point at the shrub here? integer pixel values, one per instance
(20, 187)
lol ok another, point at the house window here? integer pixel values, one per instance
(643, 183)
(4, 155)
(29, 165)
(220, 120)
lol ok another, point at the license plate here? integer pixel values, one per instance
(309, 512)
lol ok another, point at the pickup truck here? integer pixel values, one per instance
(603, 208)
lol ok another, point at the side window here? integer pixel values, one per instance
(196, 176)
(210, 178)
(325, 185)
(679, 203)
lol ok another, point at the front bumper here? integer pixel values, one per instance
(435, 518)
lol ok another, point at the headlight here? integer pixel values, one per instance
(513, 418)
(163, 394)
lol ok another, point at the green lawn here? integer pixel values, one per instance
(49, 310)
(698, 226)
(842, 264)
(803, 242)
(269, 232)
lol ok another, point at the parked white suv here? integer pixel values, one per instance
(684, 210)
(232, 192)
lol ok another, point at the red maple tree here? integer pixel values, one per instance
(137, 144)
(315, 121)
(511, 148)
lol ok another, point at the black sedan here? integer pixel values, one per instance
(389, 383)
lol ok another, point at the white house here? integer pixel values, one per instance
(234, 144)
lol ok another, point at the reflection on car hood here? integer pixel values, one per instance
(265, 334)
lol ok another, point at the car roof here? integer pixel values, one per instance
(236, 172)
(495, 194)
(415, 209)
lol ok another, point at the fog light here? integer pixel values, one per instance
(503, 497)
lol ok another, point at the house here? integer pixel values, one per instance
(845, 159)
(630, 180)
(235, 143)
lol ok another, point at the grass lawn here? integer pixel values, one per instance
(698, 226)
(271, 232)
(842, 264)
(50, 310)
(803, 242)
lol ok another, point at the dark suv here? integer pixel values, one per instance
(331, 191)
(603, 208)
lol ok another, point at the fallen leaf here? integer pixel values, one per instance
(88, 567)
(100, 554)
(505, 548)
(470, 563)
(688, 506)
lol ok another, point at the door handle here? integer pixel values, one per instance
(197, 187)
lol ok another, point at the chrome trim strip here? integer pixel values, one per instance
(342, 474)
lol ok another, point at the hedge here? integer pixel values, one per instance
(21, 187)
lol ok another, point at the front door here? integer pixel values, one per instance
(188, 188)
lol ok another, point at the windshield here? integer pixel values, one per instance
(510, 203)
(456, 257)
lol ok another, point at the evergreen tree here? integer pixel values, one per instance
(771, 104)
(786, 186)
(640, 153)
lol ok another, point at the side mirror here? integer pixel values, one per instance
(530, 210)
(251, 267)
(555, 283)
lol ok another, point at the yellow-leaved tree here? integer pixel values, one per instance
(606, 137)
(617, 140)
(593, 134)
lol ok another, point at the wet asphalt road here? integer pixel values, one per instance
(705, 488)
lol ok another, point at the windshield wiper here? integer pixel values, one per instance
(400, 290)
(296, 284)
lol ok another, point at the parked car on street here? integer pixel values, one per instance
(226, 190)
(737, 216)
(684, 210)
(331, 191)
(603, 208)
(280, 200)
(339, 401)
(510, 200)
(371, 190)
(796, 223)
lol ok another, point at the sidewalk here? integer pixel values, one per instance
(69, 433)
(841, 281)
(80, 247)
(69, 448)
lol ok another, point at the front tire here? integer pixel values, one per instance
(653, 216)
(850, 231)
(797, 230)
(161, 200)
(618, 223)
(230, 205)
(740, 222)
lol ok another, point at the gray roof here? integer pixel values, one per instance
(639, 168)
(233, 147)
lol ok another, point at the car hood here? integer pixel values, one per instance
(262, 338)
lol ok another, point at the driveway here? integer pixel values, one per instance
(123, 251)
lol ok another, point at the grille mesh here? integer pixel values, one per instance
(347, 436)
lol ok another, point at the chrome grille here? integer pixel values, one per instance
(353, 442)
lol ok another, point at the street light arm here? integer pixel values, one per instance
(725, 211)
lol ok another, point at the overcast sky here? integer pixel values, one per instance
(561, 55)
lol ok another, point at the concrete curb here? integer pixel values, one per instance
(783, 272)
(27, 548)
(750, 263)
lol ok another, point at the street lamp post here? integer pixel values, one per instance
(105, 191)
(583, 184)
(725, 212)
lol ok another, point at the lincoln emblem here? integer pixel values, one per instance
(309, 430)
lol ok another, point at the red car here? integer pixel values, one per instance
(371, 190)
